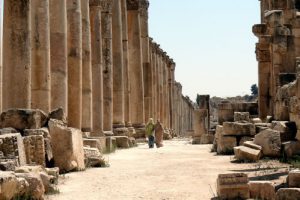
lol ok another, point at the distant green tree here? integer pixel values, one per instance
(198, 99)
(254, 90)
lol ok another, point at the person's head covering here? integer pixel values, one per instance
(150, 120)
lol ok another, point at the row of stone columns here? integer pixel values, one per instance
(92, 58)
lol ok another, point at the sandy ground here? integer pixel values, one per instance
(177, 171)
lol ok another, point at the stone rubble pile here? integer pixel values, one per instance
(35, 147)
(237, 186)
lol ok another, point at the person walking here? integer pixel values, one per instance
(159, 134)
(150, 133)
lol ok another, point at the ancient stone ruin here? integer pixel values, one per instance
(79, 78)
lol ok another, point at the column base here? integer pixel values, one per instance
(167, 135)
(196, 140)
(121, 131)
(97, 134)
(108, 133)
(140, 131)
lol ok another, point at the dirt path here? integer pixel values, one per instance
(177, 171)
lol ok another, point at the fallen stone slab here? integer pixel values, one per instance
(8, 164)
(270, 142)
(7, 130)
(67, 146)
(207, 139)
(122, 142)
(93, 157)
(95, 142)
(247, 154)
(293, 179)
(36, 189)
(262, 190)
(245, 139)
(41, 131)
(291, 148)
(225, 144)
(288, 194)
(35, 150)
(21, 119)
(58, 114)
(251, 145)
(288, 130)
(241, 117)
(12, 147)
(233, 186)
(8, 185)
(238, 129)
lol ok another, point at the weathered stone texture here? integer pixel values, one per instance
(35, 150)
(233, 186)
(67, 145)
(270, 142)
(12, 147)
(262, 190)
(21, 119)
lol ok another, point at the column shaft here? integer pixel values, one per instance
(74, 63)
(118, 72)
(97, 77)
(135, 64)
(40, 55)
(86, 68)
(58, 54)
(106, 22)
(16, 42)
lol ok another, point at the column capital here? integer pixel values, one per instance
(95, 3)
(137, 4)
(104, 5)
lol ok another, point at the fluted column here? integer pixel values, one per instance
(126, 75)
(136, 69)
(144, 5)
(154, 78)
(40, 55)
(16, 54)
(166, 93)
(86, 68)
(171, 82)
(106, 22)
(97, 77)
(58, 54)
(1, 53)
(74, 63)
(118, 71)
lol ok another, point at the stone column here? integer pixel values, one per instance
(1, 53)
(171, 82)
(118, 71)
(106, 23)
(263, 57)
(144, 5)
(167, 93)
(97, 77)
(74, 63)
(40, 55)
(160, 85)
(136, 69)
(86, 68)
(126, 77)
(16, 54)
(58, 53)
(154, 79)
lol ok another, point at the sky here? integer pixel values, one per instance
(211, 42)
